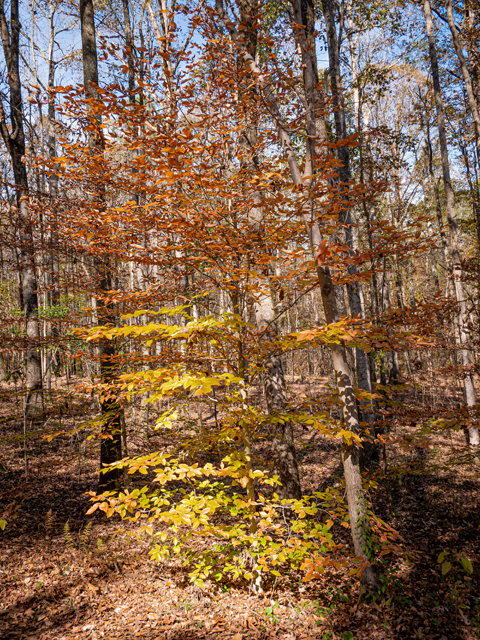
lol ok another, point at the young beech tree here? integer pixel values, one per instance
(212, 220)
(227, 226)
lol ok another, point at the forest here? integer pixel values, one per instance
(239, 319)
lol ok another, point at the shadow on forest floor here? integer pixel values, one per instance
(53, 589)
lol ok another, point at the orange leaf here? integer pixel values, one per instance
(322, 252)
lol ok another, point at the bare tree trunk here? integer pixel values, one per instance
(438, 206)
(472, 98)
(15, 143)
(129, 45)
(283, 448)
(466, 353)
(53, 275)
(343, 371)
(472, 14)
(355, 293)
(111, 436)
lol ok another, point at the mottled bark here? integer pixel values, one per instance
(346, 217)
(343, 370)
(283, 448)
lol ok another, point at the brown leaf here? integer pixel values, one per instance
(164, 627)
(322, 251)
(153, 616)
(250, 623)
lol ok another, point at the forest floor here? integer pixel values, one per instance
(53, 586)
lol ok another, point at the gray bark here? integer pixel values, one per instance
(462, 319)
(15, 143)
(472, 98)
(129, 45)
(355, 294)
(111, 440)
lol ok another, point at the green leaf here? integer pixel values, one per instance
(466, 564)
(3, 524)
(441, 557)
(446, 566)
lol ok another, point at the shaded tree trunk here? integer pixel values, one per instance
(345, 220)
(472, 97)
(112, 415)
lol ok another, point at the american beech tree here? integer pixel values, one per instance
(239, 216)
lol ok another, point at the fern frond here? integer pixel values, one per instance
(85, 536)
(67, 536)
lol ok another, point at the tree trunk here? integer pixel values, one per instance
(355, 294)
(111, 435)
(15, 143)
(462, 319)
(129, 46)
(472, 98)
(343, 371)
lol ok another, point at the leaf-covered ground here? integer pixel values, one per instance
(94, 580)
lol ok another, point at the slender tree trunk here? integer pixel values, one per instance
(343, 372)
(54, 270)
(111, 436)
(15, 143)
(438, 206)
(51, 113)
(370, 453)
(472, 14)
(473, 187)
(472, 98)
(129, 46)
(470, 76)
(355, 293)
(465, 351)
